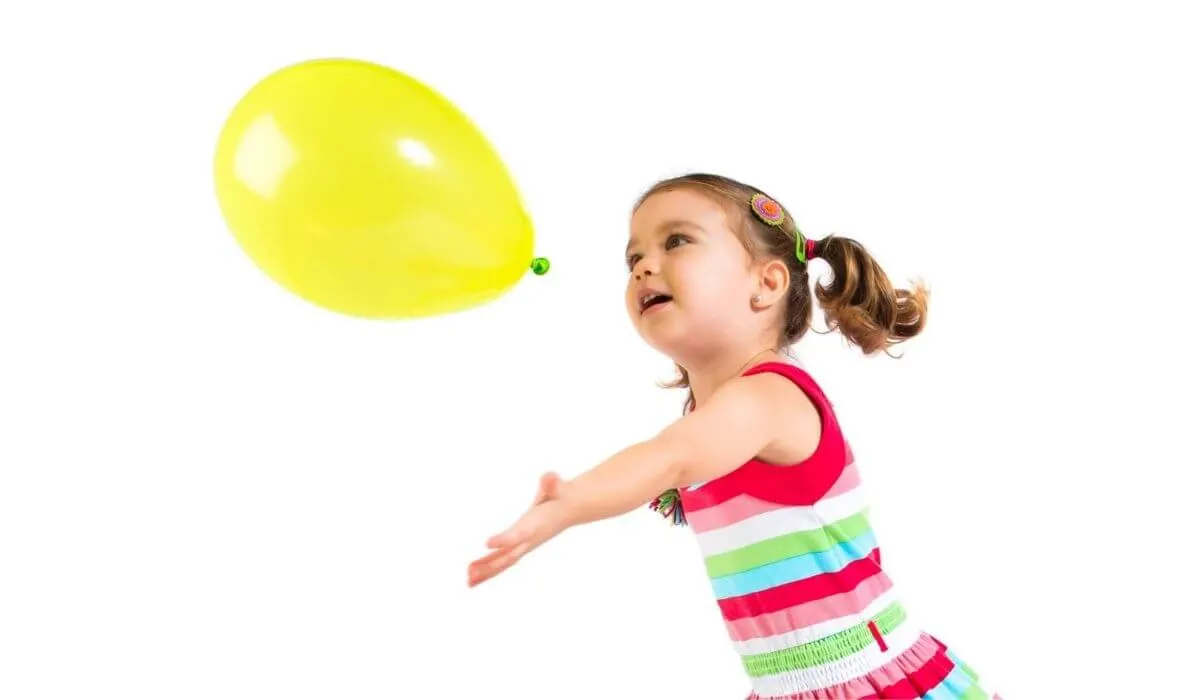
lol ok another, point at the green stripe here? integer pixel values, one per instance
(968, 670)
(826, 650)
(975, 693)
(787, 546)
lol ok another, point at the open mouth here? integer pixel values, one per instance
(653, 299)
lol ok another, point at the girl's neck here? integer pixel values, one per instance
(705, 378)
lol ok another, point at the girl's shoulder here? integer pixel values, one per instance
(810, 453)
(797, 375)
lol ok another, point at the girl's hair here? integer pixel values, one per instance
(858, 300)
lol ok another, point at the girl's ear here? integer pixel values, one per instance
(773, 282)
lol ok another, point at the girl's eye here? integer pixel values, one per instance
(672, 240)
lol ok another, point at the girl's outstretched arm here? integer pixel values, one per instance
(743, 418)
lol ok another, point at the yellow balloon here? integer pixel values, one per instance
(366, 192)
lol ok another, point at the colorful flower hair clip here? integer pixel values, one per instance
(771, 213)
(767, 209)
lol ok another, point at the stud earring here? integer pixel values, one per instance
(757, 299)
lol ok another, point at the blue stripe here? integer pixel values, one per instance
(954, 657)
(787, 571)
(952, 688)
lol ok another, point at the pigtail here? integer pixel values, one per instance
(860, 301)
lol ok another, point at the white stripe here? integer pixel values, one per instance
(766, 645)
(781, 522)
(842, 670)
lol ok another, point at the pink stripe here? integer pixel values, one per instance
(744, 506)
(811, 613)
(733, 511)
(850, 479)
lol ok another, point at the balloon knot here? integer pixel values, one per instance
(540, 266)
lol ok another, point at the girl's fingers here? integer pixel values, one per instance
(487, 560)
(508, 538)
(495, 563)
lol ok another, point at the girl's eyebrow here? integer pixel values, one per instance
(678, 223)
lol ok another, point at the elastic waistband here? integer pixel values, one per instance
(837, 658)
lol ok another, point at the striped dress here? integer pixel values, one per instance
(796, 571)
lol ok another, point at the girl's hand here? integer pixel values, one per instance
(546, 518)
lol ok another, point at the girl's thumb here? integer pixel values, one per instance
(551, 484)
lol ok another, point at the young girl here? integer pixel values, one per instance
(758, 465)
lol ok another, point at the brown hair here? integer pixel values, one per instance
(859, 300)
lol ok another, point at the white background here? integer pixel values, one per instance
(210, 489)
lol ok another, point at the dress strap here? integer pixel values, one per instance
(798, 484)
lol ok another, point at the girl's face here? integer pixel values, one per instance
(690, 278)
